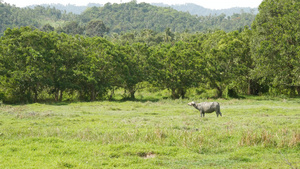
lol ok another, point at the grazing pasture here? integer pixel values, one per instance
(252, 133)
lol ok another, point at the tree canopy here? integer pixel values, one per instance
(276, 43)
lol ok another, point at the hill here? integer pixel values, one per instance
(70, 8)
(134, 16)
(193, 9)
(12, 16)
(119, 18)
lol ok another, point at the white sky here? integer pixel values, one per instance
(212, 4)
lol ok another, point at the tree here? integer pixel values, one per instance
(168, 36)
(35, 61)
(225, 60)
(96, 28)
(47, 28)
(63, 59)
(72, 28)
(176, 68)
(95, 72)
(276, 44)
(132, 67)
(23, 59)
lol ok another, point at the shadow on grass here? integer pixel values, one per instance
(143, 100)
(64, 103)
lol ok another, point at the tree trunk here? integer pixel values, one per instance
(298, 90)
(56, 93)
(253, 87)
(174, 94)
(60, 95)
(35, 95)
(293, 91)
(112, 92)
(132, 92)
(93, 94)
(182, 93)
(219, 89)
(219, 92)
(132, 97)
(249, 87)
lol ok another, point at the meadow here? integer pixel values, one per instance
(162, 133)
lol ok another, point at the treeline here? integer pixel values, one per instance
(37, 65)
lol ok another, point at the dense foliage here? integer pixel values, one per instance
(38, 65)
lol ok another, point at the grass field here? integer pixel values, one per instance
(253, 133)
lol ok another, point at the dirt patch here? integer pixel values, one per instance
(146, 155)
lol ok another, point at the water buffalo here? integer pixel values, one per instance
(207, 107)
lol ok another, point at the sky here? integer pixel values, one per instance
(212, 4)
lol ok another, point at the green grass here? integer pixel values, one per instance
(253, 133)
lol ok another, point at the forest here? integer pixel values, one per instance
(191, 8)
(92, 56)
(119, 18)
(195, 9)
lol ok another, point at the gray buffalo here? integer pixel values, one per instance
(207, 107)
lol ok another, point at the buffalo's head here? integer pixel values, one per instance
(192, 103)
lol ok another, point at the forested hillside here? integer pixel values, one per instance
(133, 16)
(69, 8)
(81, 61)
(193, 9)
(117, 18)
(11, 16)
(201, 11)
